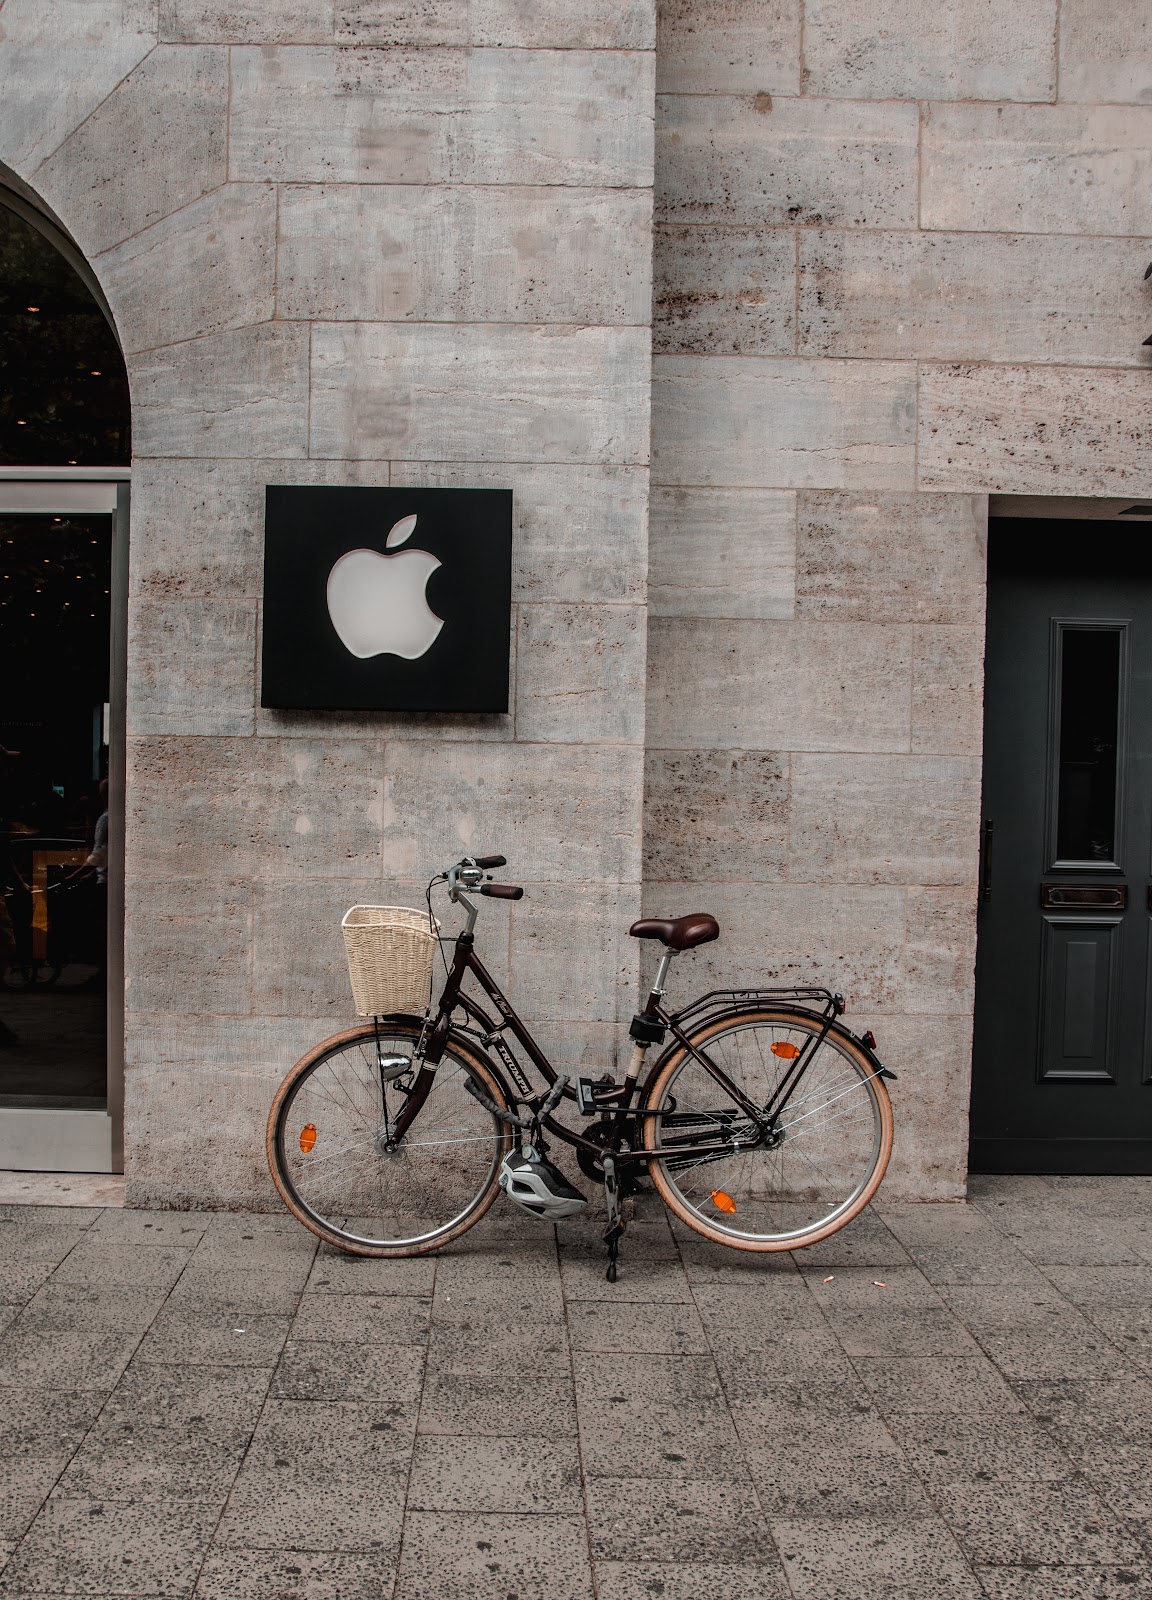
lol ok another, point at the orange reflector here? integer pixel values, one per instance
(723, 1202)
(307, 1137)
(785, 1050)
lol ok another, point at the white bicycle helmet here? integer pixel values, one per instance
(533, 1182)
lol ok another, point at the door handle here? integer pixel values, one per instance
(986, 861)
(1071, 897)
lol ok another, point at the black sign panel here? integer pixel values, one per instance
(387, 599)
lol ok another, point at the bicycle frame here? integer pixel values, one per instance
(623, 1104)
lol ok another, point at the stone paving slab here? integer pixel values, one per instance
(953, 1401)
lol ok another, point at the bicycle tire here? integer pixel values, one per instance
(374, 1202)
(790, 1195)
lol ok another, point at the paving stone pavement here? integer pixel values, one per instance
(945, 1401)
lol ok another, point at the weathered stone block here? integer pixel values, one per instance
(165, 1166)
(851, 940)
(900, 50)
(948, 690)
(254, 808)
(723, 291)
(803, 161)
(1038, 169)
(581, 1049)
(207, 267)
(579, 533)
(441, 116)
(605, 24)
(739, 420)
(266, 1045)
(932, 1058)
(467, 727)
(883, 819)
(570, 957)
(157, 142)
(722, 553)
(715, 816)
(731, 47)
(580, 674)
(298, 961)
(1105, 51)
(971, 297)
(189, 946)
(556, 813)
(404, 252)
(777, 685)
(241, 393)
(191, 666)
(891, 558)
(940, 959)
(512, 393)
(1041, 430)
(59, 62)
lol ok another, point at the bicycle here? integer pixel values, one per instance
(764, 1123)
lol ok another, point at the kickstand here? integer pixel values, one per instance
(615, 1229)
(612, 1240)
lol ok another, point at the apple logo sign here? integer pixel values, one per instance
(378, 603)
(386, 598)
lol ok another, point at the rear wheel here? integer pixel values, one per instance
(818, 1167)
(332, 1159)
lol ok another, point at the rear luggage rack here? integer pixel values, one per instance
(823, 1001)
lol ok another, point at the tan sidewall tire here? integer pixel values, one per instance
(697, 1223)
(329, 1235)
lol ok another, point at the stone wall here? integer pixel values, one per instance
(399, 243)
(897, 268)
(898, 262)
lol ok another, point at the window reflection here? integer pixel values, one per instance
(1089, 707)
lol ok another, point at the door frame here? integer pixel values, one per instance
(45, 1140)
(1120, 513)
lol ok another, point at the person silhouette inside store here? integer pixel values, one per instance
(97, 858)
(9, 880)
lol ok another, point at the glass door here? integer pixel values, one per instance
(61, 626)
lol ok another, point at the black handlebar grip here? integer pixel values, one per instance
(490, 861)
(502, 891)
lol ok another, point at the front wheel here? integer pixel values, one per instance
(344, 1176)
(818, 1165)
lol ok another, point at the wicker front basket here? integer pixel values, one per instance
(390, 953)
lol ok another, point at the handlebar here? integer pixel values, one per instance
(467, 876)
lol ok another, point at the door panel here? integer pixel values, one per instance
(1079, 990)
(1064, 964)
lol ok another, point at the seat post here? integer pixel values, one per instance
(647, 1029)
(661, 977)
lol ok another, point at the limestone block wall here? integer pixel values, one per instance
(898, 262)
(400, 243)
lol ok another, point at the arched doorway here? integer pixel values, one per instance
(64, 452)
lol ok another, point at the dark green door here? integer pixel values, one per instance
(1062, 1078)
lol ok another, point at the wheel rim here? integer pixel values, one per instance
(835, 1136)
(331, 1154)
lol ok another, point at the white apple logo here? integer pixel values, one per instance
(377, 603)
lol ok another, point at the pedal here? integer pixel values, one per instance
(587, 1090)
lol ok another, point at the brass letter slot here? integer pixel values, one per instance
(1073, 897)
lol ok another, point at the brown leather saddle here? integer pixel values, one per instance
(678, 933)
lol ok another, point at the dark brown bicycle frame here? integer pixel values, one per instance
(619, 1105)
